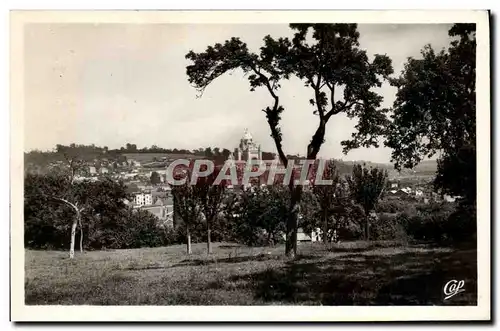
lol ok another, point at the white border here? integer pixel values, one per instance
(20, 312)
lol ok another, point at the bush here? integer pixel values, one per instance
(350, 230)
(257, 217)
(393, 206)
(462, 224)
(388, 226)
(441, 223)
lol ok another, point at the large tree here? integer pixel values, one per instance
(328, 60)
(366, 186)
(435, 112)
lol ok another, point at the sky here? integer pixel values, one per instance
(112, 84)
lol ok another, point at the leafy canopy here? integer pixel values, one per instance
(367, 186)
(326, 57)
(435, 111)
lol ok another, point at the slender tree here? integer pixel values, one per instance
(85, 199)
(186, 203)
(326, 196)
(210, 196)
(327, 58)
(367, 186)
(62, 188)
(56, 188)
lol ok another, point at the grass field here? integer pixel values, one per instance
(346, 274)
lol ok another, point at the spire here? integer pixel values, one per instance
(247, 135)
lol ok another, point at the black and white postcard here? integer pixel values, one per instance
(250, 166)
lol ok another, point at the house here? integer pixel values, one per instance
(303, 236)
(104, 170)
(92, 170)
(407, 190)
(143, 199)
(163, 208)
(398, 193)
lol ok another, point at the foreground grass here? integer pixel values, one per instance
(344, 274)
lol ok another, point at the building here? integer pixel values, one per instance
(303, 236)
(143, 199)
(104, 170)
(92, 170)
(163, 209)
(248, 149)
(398, 193)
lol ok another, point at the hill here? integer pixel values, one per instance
(40, 159)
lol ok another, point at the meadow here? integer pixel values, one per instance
(349, 273)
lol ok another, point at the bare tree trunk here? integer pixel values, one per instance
(81, 234)
(367, 228)
(209, 240)
(188, 241)
(81, 239)
(325, 228)
(72, 242)
(76, 221)
(292, 222)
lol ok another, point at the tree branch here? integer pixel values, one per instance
(272, 113)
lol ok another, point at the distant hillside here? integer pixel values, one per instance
(429, 166)
(39, 159)
(153, 157)
(424, 169)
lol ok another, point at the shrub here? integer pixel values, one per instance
(388, 227)
(392, 206)
(441, 223)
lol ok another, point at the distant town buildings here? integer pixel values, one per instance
(143, 199)
(160, 204)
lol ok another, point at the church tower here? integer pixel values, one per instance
(248, 149)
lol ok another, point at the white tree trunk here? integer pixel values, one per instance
(77, 220)
(189, 242)
(72, 243)
(81, 239)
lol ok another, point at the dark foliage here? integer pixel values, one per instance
(107, 222)
(435, 111)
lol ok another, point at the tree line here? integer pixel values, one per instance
(60, 214)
